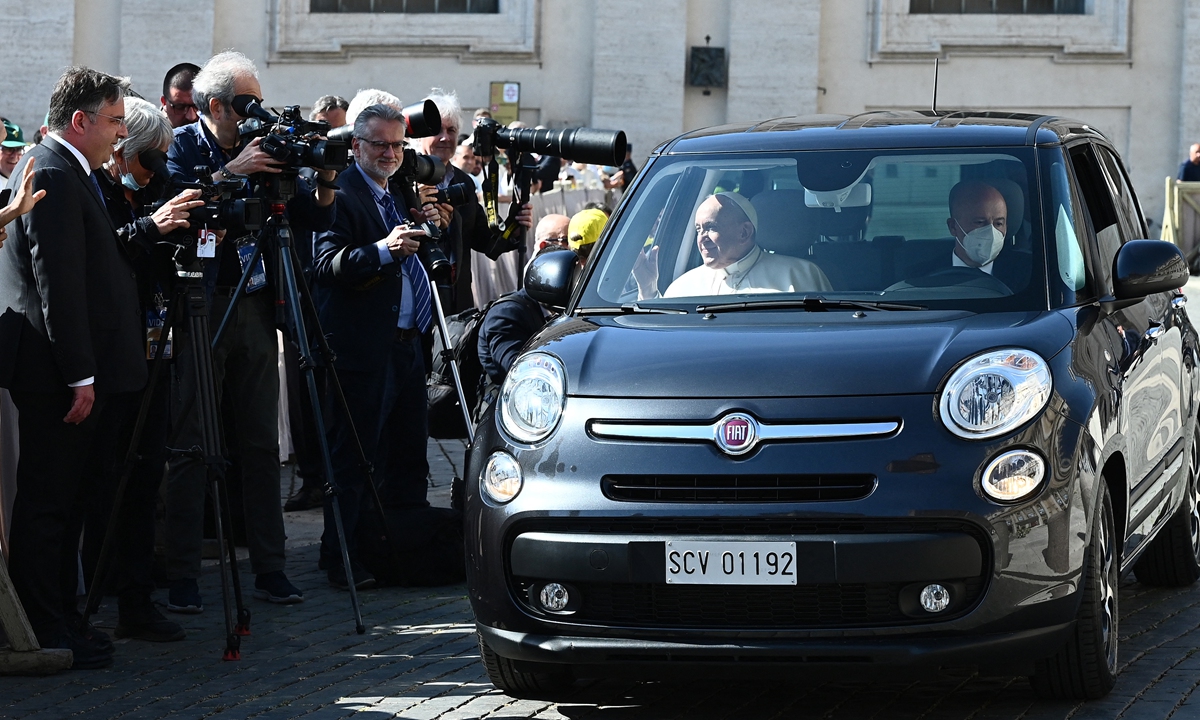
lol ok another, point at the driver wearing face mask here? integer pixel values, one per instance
(978, 221)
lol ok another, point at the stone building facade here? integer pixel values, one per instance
(1132, 70)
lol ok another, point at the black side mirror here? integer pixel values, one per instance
(1146, 267)
(550, 277)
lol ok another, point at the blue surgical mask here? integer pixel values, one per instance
(129, 181)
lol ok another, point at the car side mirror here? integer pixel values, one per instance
(549, 279)
(1146, 267)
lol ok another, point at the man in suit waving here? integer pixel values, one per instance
(376, 304)
(71, 337)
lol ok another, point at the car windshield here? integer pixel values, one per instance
(849, 229)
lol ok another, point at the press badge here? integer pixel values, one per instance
(258, 278)
(206, 243)
(155, 318)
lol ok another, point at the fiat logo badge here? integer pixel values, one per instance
(736, 434)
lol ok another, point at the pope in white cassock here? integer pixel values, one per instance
(726, 224)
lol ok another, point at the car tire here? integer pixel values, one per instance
(546, 682)
(1173, 558)
(1085, 667)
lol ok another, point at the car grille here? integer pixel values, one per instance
(736, 488)
(739, 607)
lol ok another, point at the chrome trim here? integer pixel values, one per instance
(766, 433)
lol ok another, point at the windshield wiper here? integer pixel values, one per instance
(629, 308)
(811, 304)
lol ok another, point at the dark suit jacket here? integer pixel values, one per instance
(359, 298)
(507, 326)
(67, 293)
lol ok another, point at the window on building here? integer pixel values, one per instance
(1006, 7)
(405, 6)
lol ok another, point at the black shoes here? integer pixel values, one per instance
(363, 580)
(306, 498)
(88, 654)
(143, 621)
(274, 587)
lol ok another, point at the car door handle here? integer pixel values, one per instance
(1154, 333)
(1178, 301)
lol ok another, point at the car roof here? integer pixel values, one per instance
(884, 129)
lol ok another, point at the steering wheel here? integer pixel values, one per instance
(968, 277)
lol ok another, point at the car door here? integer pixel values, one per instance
(1165, 330)
(1143, 394)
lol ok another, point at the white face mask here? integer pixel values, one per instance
(981, 245)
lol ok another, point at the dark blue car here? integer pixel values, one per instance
(905, 389)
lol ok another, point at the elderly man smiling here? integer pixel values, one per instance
(726, 225)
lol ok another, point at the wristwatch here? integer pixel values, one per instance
(225, 174)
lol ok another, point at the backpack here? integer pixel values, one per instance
(445, 414)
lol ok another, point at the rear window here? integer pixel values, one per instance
(939, 229)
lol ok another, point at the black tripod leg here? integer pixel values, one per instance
(310, 309)
(100, 576)
(242, 626)
(237, 293)
(292, 299)
(211, 434)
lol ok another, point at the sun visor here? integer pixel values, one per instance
(857, 195)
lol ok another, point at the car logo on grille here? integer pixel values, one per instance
(736, 434)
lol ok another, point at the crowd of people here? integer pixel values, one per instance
(100, 237)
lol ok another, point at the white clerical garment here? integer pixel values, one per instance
(757, 272)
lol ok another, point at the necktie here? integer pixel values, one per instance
(412, 267)
(96, 184)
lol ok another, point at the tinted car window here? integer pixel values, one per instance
(1126, 202)
(1064, 223)
(873, 225)
(1101, 212)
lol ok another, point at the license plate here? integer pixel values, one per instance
(720, 562)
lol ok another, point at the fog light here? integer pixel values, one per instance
(1013, 475)
(935, 598)
(554, 597)
(501, 478)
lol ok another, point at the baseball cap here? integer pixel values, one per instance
(585, 228)
(15, 139)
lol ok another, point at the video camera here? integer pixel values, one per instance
(289, 138)
(221, 210)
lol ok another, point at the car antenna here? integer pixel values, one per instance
(935, 83)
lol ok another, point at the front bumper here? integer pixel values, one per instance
(1015, 568)
(1007, 652)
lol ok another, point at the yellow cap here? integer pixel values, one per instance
(585, 228)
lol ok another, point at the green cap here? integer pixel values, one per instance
(15, 138)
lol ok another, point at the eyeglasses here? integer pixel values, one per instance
(379, 145)
(120, 120)
(182, 107)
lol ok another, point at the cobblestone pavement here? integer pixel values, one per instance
(418, 660)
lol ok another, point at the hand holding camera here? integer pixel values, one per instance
(174, 214)
(404, 240)
(253, 159)
(439, 213)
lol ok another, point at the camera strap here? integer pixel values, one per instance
(491, 189)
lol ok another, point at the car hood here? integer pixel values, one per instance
(784, 354)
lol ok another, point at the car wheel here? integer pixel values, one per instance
(1085, 667)
(1173, 559)
(534, 681)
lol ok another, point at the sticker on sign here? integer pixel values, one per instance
(730, 562)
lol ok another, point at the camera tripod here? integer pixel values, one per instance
(191, 304)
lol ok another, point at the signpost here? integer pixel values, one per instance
(505, 102)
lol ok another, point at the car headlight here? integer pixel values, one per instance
(1013, 475)
(501, 479)
(532, 397)
(994, 393)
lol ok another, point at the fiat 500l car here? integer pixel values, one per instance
(901, 389)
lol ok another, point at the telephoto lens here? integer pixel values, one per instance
(586, 145)
(457, 194)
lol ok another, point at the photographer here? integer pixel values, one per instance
(123, 186)
(377, 305)
(245, 363)
(468, 228)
